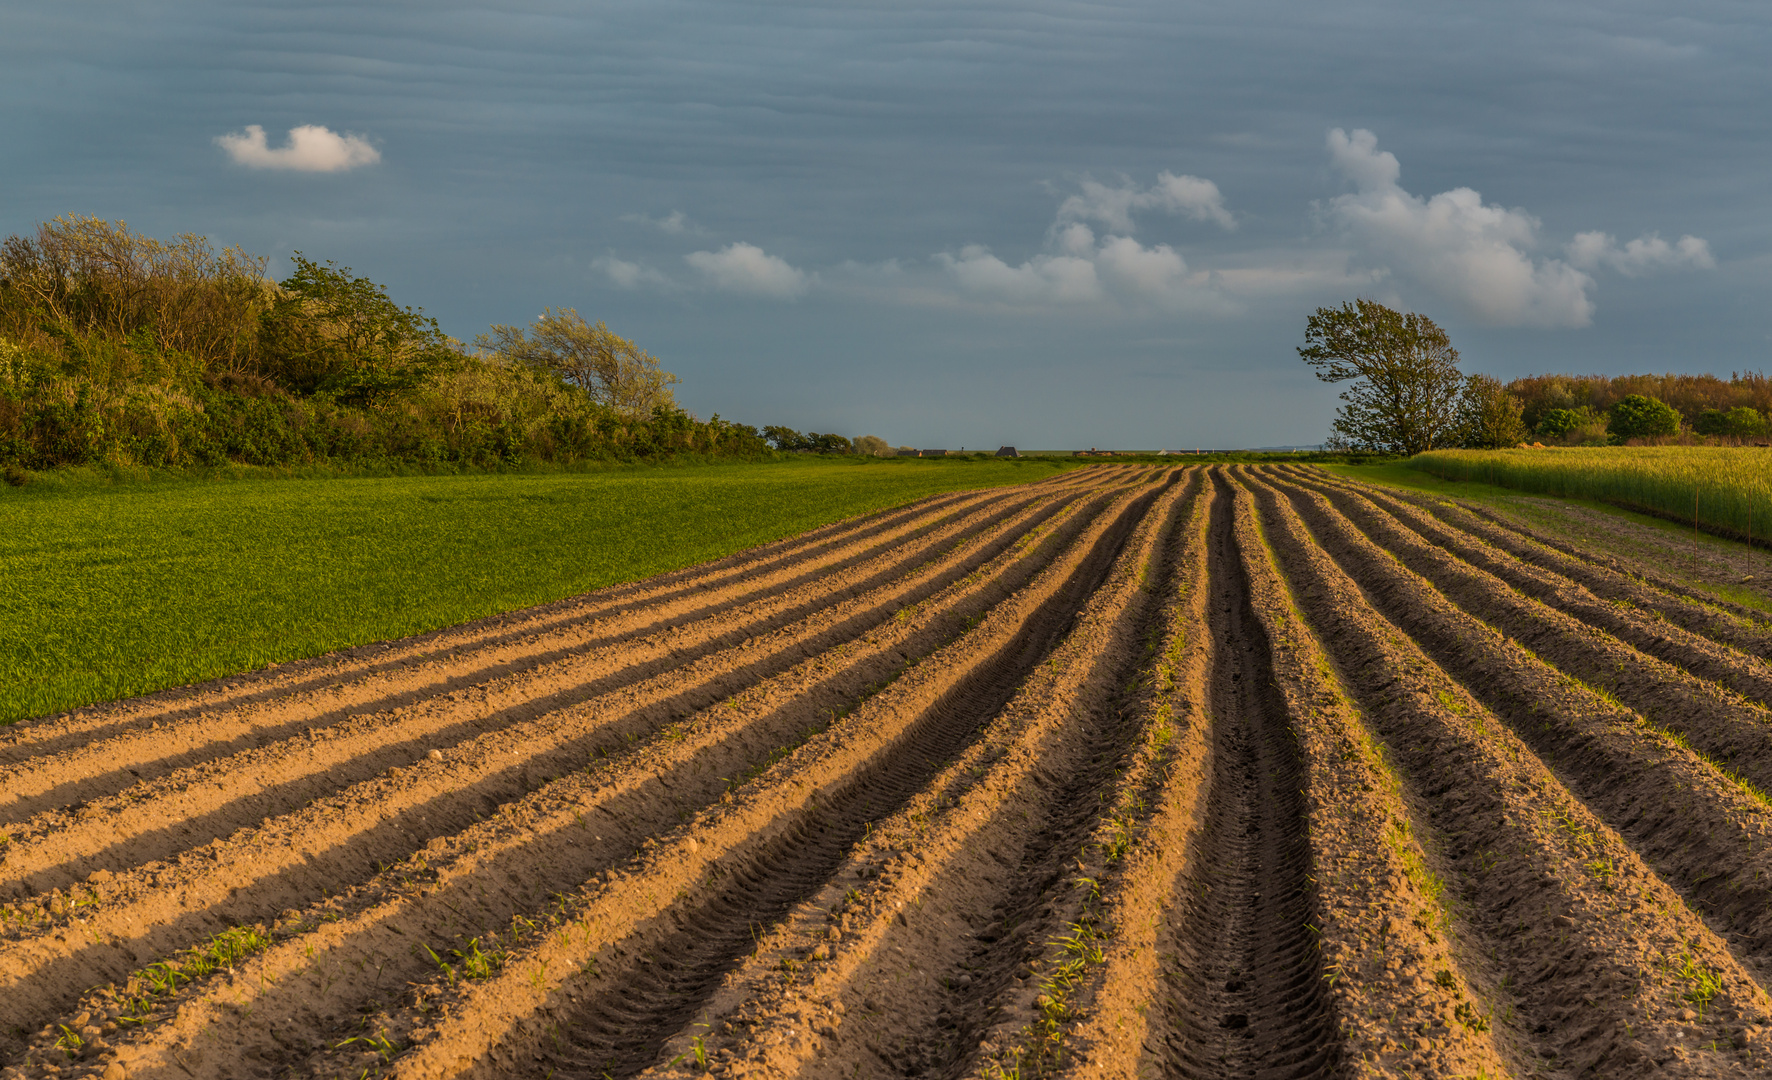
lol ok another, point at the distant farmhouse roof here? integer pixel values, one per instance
(933, 453)
(1007, 451)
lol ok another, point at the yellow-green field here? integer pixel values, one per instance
(1725, 490)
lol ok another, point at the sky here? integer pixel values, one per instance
(1051, 225)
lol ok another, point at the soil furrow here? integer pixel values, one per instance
(365, 935)
(917, 936)
(1245, 984)
(1718, 721)
(1654, 635)
(1111, 1017)
(1234, 771)
(314, 850)
(51, 734)
(1702, 832)
(1375, 897)
(567, 656)
(929, 715)
(1601, 960)
(1607, 579)
(1658, 580)
(157, 819)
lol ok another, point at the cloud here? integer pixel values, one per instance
(1079, 269)
(746, 268)
(311, 148)
(675, 223)
(629, 275)
(1043, 279)
(1188, 196)
(1154, 272)
(1644, 255)
(1473, 254)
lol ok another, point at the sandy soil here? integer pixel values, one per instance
(1203, 772)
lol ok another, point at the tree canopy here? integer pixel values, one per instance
(610, 368)
(1489, 416)
(1638, 416)
(1406, 390)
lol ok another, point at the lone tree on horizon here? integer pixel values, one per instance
(1406, 395)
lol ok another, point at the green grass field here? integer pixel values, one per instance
(110, 590)
(1725, 490)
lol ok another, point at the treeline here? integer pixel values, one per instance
(119, 348)
(1406, 394)
(1597, 409)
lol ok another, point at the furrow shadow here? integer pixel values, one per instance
(1242, 994)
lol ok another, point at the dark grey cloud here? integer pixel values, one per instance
(852, 217)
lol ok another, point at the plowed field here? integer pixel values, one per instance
(1204, 772)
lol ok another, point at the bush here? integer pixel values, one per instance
(1580, 426)
(1638, 417)
(118, 349)
(1741, 422)
(873, 446)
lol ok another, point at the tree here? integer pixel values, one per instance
(1489, 416)
(1637, 416)
(873, 446)
(330, 332)
(1557, 423)
(786, 438)
(610, 368)
(87, 276)
(1741, 422)
(1406, 394)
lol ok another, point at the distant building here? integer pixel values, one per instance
(1007, 451)
(932, 453)
(910, 453)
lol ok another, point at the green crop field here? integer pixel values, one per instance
(112, 590)
(1725, 490)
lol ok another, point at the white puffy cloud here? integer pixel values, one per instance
(1644, 255)
(1080, 268)
(1473, 254)
(1156, 272)
(629, 275)
(1360, 160)
(1479, 255)
(1188, 196)
(311, 148)
(746, 268)
(1043, 279)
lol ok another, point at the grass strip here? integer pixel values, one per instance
(108, 591)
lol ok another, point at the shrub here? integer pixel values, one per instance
(1741, 422)
(873, 446)
(1637, 416)
(119, 348)
(1580, 426)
